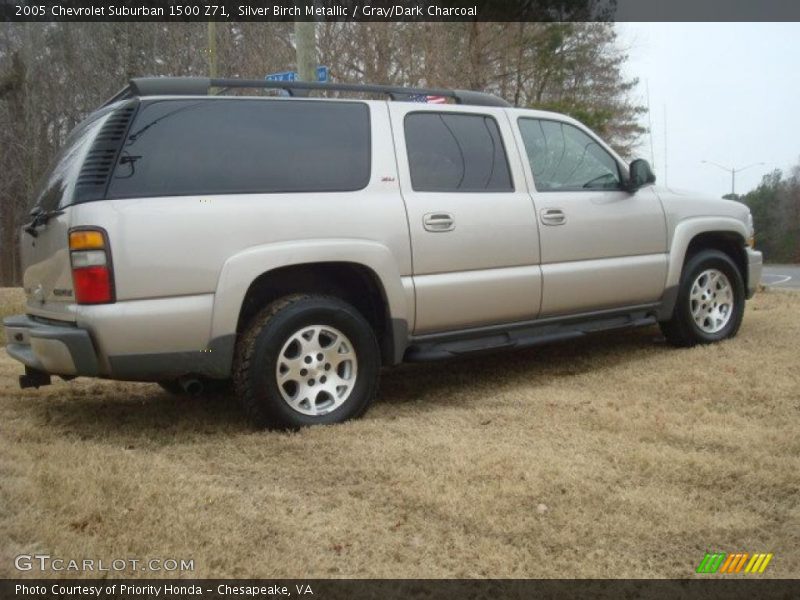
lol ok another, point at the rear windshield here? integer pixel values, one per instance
(195, 147)
(58, 184)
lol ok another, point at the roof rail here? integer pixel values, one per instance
(200, 86)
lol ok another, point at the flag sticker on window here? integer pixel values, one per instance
(425, 99)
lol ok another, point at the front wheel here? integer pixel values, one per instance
(306, 360)
(710, 303)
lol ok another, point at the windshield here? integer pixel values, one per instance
(58, 183)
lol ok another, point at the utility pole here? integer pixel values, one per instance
(212, 49)
(305, 41)
(732, 171)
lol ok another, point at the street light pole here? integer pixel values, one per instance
(732, 171)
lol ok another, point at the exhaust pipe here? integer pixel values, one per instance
(191, 385)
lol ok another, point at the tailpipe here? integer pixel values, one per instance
(191, 385)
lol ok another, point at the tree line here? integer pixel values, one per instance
(775, 205)
(53, 74)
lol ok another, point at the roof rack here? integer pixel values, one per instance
(200, 86)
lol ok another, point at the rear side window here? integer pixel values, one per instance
(456, 153)
(187, 147)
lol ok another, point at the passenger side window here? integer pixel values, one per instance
(564, 158)
(456, 153)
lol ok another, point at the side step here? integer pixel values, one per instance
(476, 341)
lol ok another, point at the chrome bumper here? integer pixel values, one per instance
(54, 349)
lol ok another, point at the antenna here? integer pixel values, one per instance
(650, 124)
(665, 145)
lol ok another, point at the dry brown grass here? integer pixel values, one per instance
(615, 456)
(12, 302)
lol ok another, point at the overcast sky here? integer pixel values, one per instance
(731, 93)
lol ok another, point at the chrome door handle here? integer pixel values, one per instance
(552, 216)
(438, 221)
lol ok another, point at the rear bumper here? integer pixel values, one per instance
(61, 349)
(755, 263)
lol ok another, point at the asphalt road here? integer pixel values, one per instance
(781, 276)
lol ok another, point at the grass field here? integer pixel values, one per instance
(612, 456)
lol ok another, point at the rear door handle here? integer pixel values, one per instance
(552, 216)
(438, 221)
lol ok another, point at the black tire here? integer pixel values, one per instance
(681, 329)
(216, 387)
(259, 348)
(211, 387)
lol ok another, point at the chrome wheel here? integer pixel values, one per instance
(317, 369)
(711, 301)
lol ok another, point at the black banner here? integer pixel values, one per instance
(733, 588)
(399, 10)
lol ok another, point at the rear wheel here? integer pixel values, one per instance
(710, 303)
(306, 360)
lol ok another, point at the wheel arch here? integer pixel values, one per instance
(726, 234)
(729, 243)
(360, 272)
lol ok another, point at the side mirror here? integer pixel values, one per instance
(640, 175)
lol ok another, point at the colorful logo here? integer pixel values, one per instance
(721, 562)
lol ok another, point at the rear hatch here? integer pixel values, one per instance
(79, 173)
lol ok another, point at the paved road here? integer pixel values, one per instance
(781, 276)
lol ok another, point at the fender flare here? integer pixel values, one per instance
(240, 270)
(685, 231)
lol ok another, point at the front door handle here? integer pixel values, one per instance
(552, 216)
(438, 221)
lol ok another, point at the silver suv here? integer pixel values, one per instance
(293, 246)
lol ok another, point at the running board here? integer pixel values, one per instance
(452, 345)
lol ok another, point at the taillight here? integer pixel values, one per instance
(92, 274)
